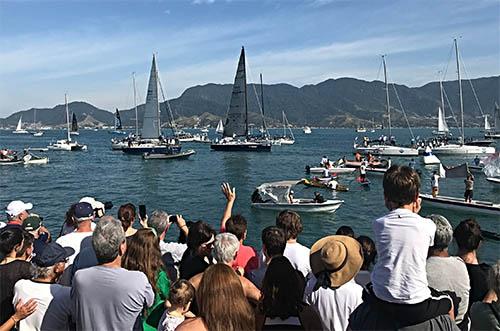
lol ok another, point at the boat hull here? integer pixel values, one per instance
(241, 147)
(458, 204)
(453, 149)
(302, 206)
(181, 155)
(492, 135)
(151, 149)
(11, 162)
(493, 180)
(339, 170)
(430, 159)
(383, 150)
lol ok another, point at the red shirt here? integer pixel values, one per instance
(246, 258)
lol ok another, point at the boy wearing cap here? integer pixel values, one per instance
(17, 211)
(33, 224)
(53, 310)
(81, 237)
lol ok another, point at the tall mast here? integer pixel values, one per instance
(460, 88)
(135, 104)
(387, 97)
(67, 115)
(442, 97)
(262, 102)
(284, 124)
(245, 83)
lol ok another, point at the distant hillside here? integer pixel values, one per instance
(334, 102)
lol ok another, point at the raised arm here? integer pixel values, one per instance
(230, 194)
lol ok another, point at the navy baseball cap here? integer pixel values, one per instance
(83, 210)
(51, 254)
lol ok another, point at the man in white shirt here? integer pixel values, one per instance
(82, 236)
(54, 303)
(298, 254)
(435, 184)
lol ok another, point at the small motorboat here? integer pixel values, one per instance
(493, 180)
(331, 170)
(34, 159)
(307, 130)
(278, 196)
(10, 161)
(458, 204)
(329, 184)
(166, 156)
(38, 134)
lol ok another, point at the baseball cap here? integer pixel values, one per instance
(33, 222)
(51, 254)
(83, 210)
(16, 207)
(93, 202)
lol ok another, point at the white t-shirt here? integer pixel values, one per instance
(335, 306)
(176, 249)
(435, 180)
(298, 255)
(362, 169)
(402, 239)
(75, 240)
(53, 309)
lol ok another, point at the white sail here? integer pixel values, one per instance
(487, 125)
(220, 127)
(151, 121)
(442, 126)
(19, 124)
(286, 124)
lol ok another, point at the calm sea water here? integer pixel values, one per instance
(192, 187)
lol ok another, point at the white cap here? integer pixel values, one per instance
(16, 207)
(93, 202)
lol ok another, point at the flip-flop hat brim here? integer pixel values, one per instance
(340, 256)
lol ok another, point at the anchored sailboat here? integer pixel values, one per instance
(74, 126)
(461, 148)
(235, 134)
(494, 132)
(220, 127)
(118, 124)
(67, 144)
(286, 140)
(151, 140)
(383, 149)
(19, 128)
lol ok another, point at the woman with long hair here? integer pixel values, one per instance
(126, 215)
(282, 307)
(12, 268)
(143, 254)
(221, 302)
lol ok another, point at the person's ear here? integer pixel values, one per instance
(123, 248)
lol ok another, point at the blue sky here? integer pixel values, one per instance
(90, 48)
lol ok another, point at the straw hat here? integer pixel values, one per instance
(340, 257)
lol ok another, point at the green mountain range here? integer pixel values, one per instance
(339, 102)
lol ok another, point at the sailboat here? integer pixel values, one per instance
(235, 136)
(494, 132)
(461, 148)
(286, 140)
(118, 124)
(19, 128)
(307, 130)
(442, 129)
(37, 133)
(74, 126)
(67, 144)
(151, 140)
(383, 149)
(120, 143)
(220, 127)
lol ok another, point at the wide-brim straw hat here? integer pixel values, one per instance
(340, 256)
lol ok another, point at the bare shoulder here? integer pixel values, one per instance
(192, 324)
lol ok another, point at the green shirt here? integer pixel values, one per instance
(153, 314)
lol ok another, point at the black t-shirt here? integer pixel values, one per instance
(191, 265)
(10, 273)
(478, 274)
